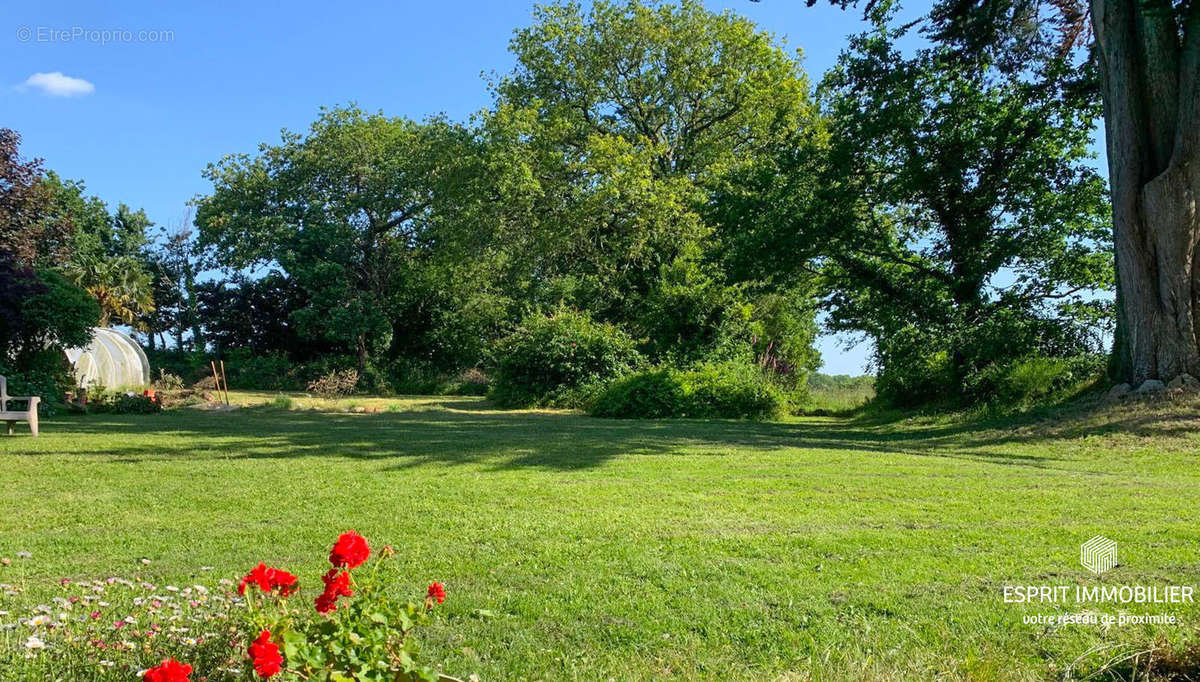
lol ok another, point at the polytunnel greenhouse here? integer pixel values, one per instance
(112, 360)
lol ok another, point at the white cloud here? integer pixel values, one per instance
(57, 85)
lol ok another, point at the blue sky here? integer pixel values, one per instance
(150, 92)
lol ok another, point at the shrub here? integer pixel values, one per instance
(730, 390)
(188, 366)
(649, 394)
(45, 374)
(122, 402)
(270, 371)
(1027, 381)
(335, 384)
(549, 359)
(915, 370)
(471, 381)
(416, 377)
(692, 315)
(282, 402)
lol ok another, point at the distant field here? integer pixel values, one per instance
(838, 394)
(579, 548)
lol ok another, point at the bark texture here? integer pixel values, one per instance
(1150, 67)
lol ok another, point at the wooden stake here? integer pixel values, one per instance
(216, 378)
(225, 382)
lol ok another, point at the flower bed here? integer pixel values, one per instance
(255, 628)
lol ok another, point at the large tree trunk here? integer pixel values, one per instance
(1150, 71)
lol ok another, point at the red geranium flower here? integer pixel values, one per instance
(349, 551)
(337, 584)
(170, 670)
(268, 579)
(325, 602)
(283, 581)
(265, 655)
(437, 592)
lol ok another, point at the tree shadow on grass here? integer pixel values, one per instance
(457, 432)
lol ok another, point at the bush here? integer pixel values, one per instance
(282, 402)
(548, 360)
(915, 370)
(336, 384)
(188, 366)
(1027, 381)
(473, 381)
(729, 390)
(122, 402)
(45, 374)
(649, 394)
(270, 371)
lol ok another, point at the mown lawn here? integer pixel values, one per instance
(578, 548)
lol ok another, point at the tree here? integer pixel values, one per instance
(961, 220)
(340, 211)
(172, 264)
(1148, 56)
(120, 286)
(26, 230)
(618, 133)
(106, 252)
(41, 313)
(243, 312)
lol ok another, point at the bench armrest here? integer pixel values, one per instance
(33, 401)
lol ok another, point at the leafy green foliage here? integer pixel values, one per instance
(690, 315)
(612, 139)
(729, 390)
(1029, 381)
(282, 402)
(29, 232)
(107, 251)
(46, 314)
(342, 211)
(116, 401)
(963, 225)
(549, 356)
(271, 370)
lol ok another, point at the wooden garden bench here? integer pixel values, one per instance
(29, 414)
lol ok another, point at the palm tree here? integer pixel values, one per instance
(120, 285)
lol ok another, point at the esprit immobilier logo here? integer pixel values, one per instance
(1098, 555)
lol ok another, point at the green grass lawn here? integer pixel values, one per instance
(578, 548)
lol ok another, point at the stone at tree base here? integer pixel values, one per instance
(1151, 386)
(1119, 391)
(1185, 382)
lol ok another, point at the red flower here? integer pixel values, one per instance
(285, 582)
(170, 670)
(437, 592)
(265, 655)
(349, 551)
(337, 584)
(325, 603)
(268, 579)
